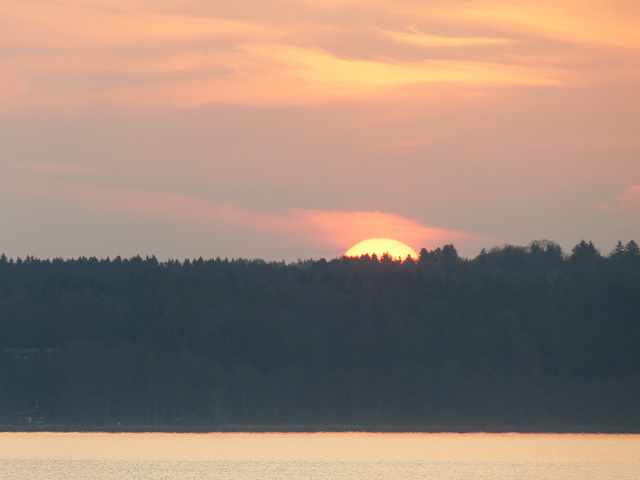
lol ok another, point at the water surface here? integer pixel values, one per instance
(318, 456)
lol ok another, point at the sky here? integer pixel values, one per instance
(294, 129)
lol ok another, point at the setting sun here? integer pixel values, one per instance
(379, 246)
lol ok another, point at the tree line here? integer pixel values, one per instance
(519, 336)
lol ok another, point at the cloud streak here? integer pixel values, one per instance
(412, 36)
(327, 229)
(75, 54)
(626, 205)
(592, 21)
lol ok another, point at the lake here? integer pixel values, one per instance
(318, 456)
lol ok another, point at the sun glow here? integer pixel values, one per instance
(396, 249)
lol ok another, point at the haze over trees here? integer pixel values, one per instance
(516, 337)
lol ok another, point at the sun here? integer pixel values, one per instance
(396, 249)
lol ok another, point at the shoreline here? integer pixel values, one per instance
(203, 429)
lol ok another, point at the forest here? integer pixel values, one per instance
(520, 337)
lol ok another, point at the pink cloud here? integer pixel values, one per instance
(337, 230)
(340, 228)
(626, 204)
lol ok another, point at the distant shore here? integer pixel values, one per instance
(314, 429)
(520, 339)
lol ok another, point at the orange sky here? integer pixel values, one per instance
(294, 129)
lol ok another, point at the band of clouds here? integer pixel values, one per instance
(612, 23)
(413, 36)
(337, 230)
(66, 53)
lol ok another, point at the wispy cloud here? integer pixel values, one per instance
(331, 229)
(347, 228)
(68, 54)
(626, 205)
(61, 24)
(413, 36)
(613, 23)
(592, 21)
(321, 67)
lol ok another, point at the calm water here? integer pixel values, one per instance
(319, 456)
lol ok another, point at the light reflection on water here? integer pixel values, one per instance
(322, 456)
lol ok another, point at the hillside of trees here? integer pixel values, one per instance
(518, 337)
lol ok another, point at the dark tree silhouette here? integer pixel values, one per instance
(517, 337)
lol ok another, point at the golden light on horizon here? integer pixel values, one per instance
(396, 249)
